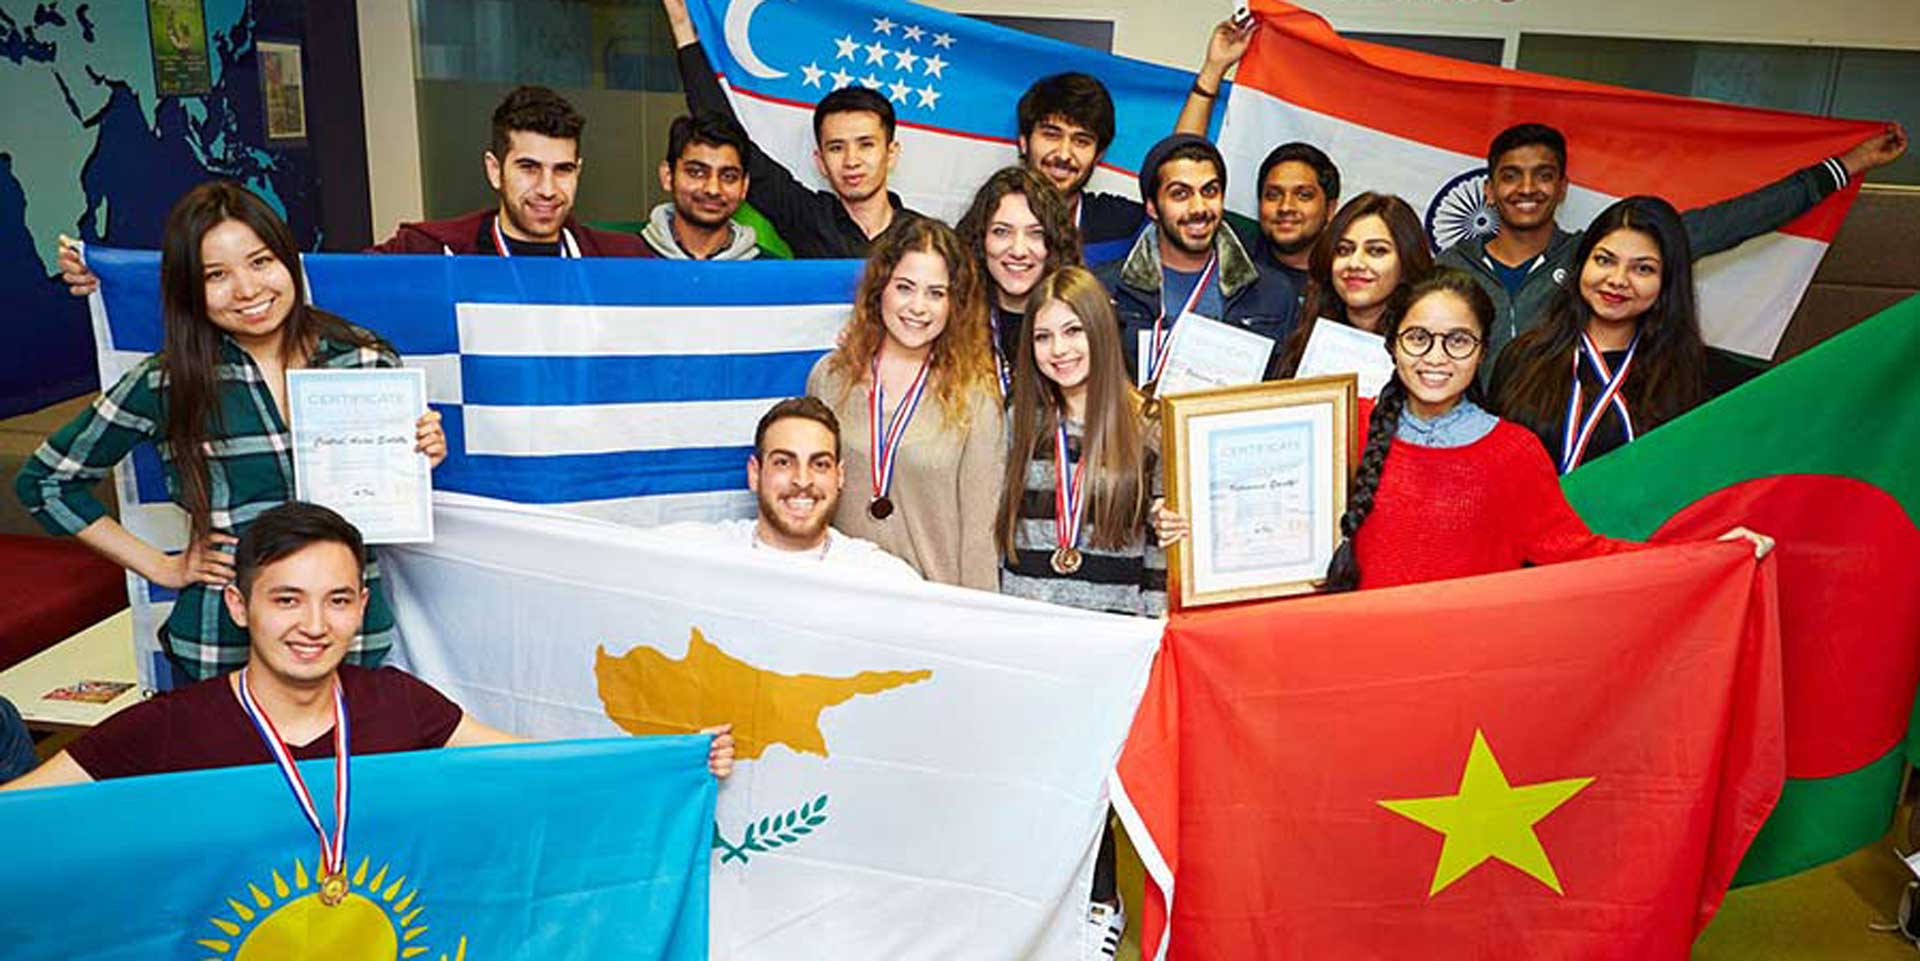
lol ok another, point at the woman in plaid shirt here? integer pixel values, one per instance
(214, 403)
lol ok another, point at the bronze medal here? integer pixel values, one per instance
(333, 888)
(881, 508)
(1066, 560)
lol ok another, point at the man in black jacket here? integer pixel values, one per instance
(854, 150)
(1066, 126)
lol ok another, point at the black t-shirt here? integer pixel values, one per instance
(203, 726)
(483, 244)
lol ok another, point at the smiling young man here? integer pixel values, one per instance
(854, 151)
(1184, 262)
(705, 173)
(1066, 125)
(796, 477)
(298, 592)
(1531, 257)
(533, 165)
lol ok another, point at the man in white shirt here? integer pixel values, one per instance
(796, 475)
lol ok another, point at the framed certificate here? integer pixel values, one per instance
(353, 440)
(1261, 473)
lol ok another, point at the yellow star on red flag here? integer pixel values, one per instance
(1489, 818)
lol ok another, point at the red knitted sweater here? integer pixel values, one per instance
(1493, 505)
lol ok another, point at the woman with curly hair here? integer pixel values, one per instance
(927, 475)
(1018, 230)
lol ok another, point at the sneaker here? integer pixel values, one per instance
(1106, 924)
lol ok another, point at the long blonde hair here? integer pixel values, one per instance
(962, 362)
(1112, 441)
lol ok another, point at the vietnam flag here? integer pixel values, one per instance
(1418, 125)
(1821, 453)
(1563, 762)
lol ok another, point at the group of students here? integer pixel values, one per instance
(995, 377)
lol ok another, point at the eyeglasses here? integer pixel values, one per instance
(1419, 341)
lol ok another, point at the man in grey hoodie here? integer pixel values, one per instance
(706, 175)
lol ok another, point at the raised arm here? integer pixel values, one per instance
(1227, 44)
(1734, 221)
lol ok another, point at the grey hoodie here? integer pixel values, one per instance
(742, 244)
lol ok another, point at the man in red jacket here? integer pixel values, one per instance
(534, 167)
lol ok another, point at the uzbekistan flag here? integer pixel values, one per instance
(1818, 453)
(1418, 125)
(579, 850)
(1562, 762)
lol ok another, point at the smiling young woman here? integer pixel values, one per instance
(1373, 249)
(235, 318)
(1620, 352)
(1019, 230)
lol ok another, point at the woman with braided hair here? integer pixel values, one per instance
(1445, 489)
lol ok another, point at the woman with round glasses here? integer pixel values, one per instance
(1620, 351)
(1444, 488)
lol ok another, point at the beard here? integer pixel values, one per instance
(1175, 237)
(804, 530)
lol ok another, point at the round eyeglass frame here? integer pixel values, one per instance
(1409, 335)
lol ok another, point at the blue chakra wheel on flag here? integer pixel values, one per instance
(1460, 210)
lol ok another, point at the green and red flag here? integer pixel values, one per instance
(1823, 454)
(1563, 762)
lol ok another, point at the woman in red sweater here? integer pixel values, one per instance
(1444, 488)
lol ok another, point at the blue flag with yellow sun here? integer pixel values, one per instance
(570, 849)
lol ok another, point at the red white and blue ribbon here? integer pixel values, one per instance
(568, 248)
(1001, 362)
(886, 444)
(1162, 330)
(1069, 502)
(1578, 431)
(333, 850)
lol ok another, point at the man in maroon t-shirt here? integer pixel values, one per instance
(298, 593)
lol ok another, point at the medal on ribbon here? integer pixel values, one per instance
(886, 442)
(332, 870)
(1069, 504)
(1156, 359)
(1577, 430)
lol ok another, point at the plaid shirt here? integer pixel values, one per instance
(249, 467)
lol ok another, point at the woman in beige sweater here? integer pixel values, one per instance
(922, 438)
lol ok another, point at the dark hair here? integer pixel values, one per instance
(190, 351)
(804, 408)
(1533, 373)
(708, 129)
(1056, 221)
(1323, 300)
(1306, 153)
(287, 529)
(1077, 98)
(535, 110)
(854, 99)
(1190, 148)
(1343, 572)
(1527, 135)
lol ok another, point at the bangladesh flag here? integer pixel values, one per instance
(1563, 762)
(1822, 453)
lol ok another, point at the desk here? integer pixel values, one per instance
(103, 652)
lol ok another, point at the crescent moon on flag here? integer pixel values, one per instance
(739, 12)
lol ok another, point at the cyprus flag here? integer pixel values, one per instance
(922, 768)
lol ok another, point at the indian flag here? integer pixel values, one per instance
(1418, 125)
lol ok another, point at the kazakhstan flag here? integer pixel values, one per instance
(571, 849)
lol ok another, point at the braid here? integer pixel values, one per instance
(1343, 572)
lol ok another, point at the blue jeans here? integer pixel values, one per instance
(16, 745)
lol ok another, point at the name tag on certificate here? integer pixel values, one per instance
(1204, 353)
(1335, 348)
(353, 449)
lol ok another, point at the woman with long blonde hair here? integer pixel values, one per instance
(914, 381)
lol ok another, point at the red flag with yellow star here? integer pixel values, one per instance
(1566, 762)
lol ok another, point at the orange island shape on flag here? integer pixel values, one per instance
(645, 692)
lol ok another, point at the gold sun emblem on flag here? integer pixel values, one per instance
(380, 918)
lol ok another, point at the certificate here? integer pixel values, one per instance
(1203, 354)
(1335, 348)
(353, 449)
(1261, 473)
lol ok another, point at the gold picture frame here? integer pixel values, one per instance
(1273, 461)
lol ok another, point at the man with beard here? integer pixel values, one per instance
(1523, 265)
(796, 475)
(706, 175)
(854, 151)
(1184, 263)
(534, 166)
(1066, 126)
